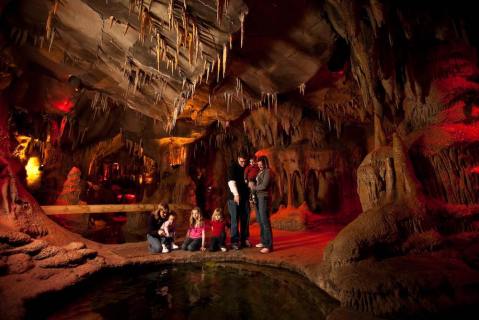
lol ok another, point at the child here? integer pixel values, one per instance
(218, 234)
(196, 232)
(167, 233)
(250, 173)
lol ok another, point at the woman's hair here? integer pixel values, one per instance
(218, 212)
(196, 222)
(164, 206)
(265, 161)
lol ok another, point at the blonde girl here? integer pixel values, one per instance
(195, 236)
(218, 232)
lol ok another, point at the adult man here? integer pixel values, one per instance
(238, 204)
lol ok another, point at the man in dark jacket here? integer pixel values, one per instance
(238, 204)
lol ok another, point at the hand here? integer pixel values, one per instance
(237, 199)
(203, 249)
(251, 184)
(161, 232)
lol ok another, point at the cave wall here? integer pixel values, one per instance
(419, 78)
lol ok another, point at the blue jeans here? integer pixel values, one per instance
(262, 215)
(239, 218)
(191, 244)
(154, 244)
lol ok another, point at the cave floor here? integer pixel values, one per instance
(297, 251)
(300, 251)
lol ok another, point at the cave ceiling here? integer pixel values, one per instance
(181, 64)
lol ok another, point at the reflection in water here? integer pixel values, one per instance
(211, 291)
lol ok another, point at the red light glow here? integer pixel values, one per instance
(474, 170)
(130, 197)
(64, 105)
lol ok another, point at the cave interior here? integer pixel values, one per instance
(367, 111)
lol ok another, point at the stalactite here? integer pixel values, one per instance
(207, 72)
(225, 57)
(51, 40)
(221, 6)
(145, 24)
(190, 48)
(241, 18)
(302, 88)
(239, 88)
(49, 23)
(83, 134)
(170, 14)
(219, 68)
(228, 98)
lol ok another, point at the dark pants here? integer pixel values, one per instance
(217, 242)
(191, 244)
(239, 218)
(262, 215)
(167, 241)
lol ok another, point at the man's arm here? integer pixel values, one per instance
(233, 187)
(232, 184)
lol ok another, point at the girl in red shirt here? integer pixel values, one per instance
(218, 232)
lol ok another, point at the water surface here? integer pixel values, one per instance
(209, 291)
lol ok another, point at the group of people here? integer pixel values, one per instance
(162, 231)
(248, 186)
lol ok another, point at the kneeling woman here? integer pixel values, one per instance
(196, 232)
(155, 221)
(262, 189)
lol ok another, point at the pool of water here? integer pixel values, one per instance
(209, 291)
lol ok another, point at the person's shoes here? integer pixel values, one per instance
(235, 246)
(174, 246)
(259, 245)
(247, 244)
(223, 249)
(265, 250)
(165, 249)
